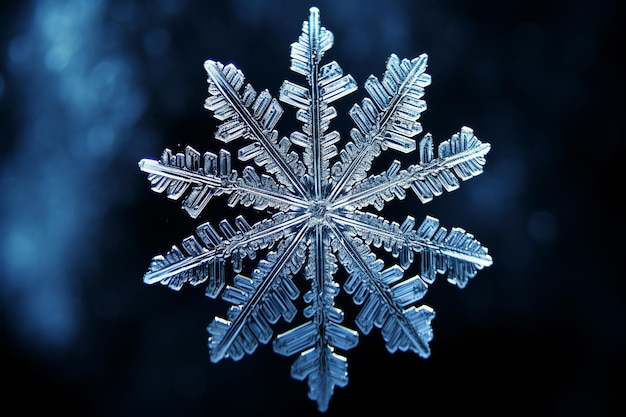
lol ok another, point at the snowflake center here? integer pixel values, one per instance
(318, 209)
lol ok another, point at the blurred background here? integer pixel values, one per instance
(90, 87)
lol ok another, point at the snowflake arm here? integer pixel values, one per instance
(258, 301)
(461, 157)
(204, 259)
(317, 339)
(387, 120)
(325, 85)
(384, 295)
(246, 114)
(202, 177)
(456, 252)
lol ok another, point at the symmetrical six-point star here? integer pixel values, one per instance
(318, 195)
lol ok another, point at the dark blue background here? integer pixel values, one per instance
(88, 88)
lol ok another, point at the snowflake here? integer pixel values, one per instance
(315, 200)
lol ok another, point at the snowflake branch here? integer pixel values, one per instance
(320, 364)
(326, 84)
(201, 178)
(205, 258)
(387, 120)
(258, 302)
(401, 328)
(253, 117)
(455, 252)
(462, 157)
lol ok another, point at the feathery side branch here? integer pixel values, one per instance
(213, 247)
(325, 84)
(388, 119)
(461, 157)
(317, 339)
(413, 323)
(394, 238)
(221, 339)
(262, 135)
(162, 176)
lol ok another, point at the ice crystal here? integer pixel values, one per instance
(318, 197)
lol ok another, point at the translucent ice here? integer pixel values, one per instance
(319, 195)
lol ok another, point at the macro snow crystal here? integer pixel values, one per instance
(316, 193)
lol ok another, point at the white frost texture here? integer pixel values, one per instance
(316, 195)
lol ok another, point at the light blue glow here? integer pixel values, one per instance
(78, 104)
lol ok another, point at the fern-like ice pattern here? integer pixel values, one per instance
(319, 195)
